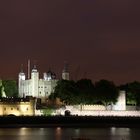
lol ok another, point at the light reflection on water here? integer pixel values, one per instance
(58, 133)
(124, 133)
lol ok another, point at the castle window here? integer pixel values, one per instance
(27, 108)
(46, 93)
(11, 108)
(40, 92)
(17, 108)
(4, 108)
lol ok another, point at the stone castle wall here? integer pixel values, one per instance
(17, 108)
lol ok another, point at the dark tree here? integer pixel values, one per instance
(85, 91)
(106, 92)
(66, 91)
(10, 88)
(133, 93)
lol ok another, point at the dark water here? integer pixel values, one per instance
(69, 133)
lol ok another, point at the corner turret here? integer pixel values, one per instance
(34, 79)
(21, 79)
(65, 73)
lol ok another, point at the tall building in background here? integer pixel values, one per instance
(36, 87)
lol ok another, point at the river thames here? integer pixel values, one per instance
(58, 133)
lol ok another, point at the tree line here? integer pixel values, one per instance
(85, 92)
(101, 92)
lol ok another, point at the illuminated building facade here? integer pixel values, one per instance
(18, 106)
(36, 87)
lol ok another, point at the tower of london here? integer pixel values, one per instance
(36, 87)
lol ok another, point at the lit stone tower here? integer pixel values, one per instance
(65, 73)
(34, 81)
(121, 101)
(21, 79)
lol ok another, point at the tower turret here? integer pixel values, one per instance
(34, 79)
(21, 79)
(65, 73)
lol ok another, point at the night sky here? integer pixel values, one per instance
(100, 39)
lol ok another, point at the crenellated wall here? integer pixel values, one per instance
(17, 108)
(93, 107)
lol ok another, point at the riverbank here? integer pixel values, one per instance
(68, 121)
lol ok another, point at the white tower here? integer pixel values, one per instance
(28, 68)
(34, 81)
(21, 79)
(65, 73)
(121, 102)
